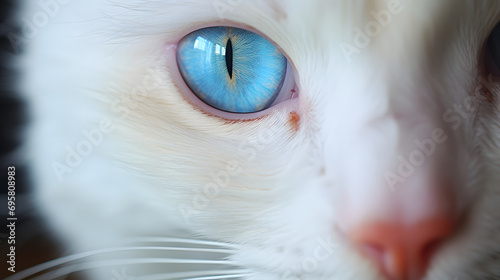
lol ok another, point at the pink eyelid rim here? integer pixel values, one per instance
(285, 101)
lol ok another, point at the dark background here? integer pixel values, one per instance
(34, 242)
(12, 109)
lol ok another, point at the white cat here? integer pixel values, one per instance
(379, 159)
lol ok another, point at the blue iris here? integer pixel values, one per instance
(231, 69)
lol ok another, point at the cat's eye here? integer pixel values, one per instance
(493, 52)
(231, 69)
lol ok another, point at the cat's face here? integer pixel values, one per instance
(386, 161)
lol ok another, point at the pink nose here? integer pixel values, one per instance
(402, 252)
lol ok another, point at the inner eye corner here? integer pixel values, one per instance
(488, 66)
(489, 55)
(234, 72)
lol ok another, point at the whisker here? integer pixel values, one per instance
(229, 276)
(183, 240)
(185, 249)
(99, 264)
(186, 275)
(63, 260)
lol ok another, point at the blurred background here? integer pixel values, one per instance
(34, 243)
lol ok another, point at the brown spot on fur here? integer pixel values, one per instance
(322, 171)
(485, 92)
(294, 120)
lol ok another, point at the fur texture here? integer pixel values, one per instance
(280, 185)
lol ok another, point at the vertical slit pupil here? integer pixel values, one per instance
(229, 58)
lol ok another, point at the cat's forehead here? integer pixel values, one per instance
(317, 16)
(316, 23)
(322, 14)
(393, 28)
(384, 23)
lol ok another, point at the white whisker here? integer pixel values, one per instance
(190, 274)
(111, 263)
(63, 260)
(183, 240)
(228, 276)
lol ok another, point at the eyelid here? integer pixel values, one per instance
(287, 106)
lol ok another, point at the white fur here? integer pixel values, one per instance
(355, 119)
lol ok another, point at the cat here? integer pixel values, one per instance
(378, 160)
